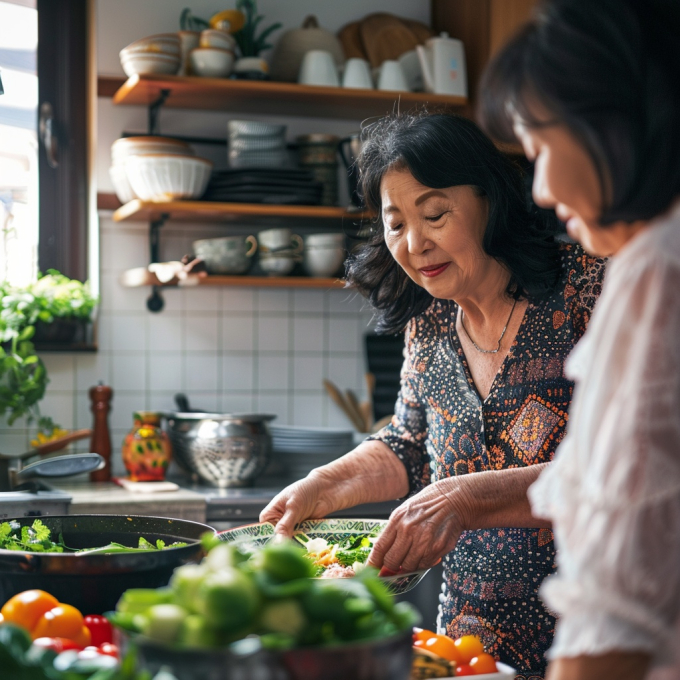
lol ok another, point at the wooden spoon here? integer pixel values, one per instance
(61, 442)
(339, 400)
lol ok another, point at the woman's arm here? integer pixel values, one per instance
(369, 473)
(427, 526)
(619, 665)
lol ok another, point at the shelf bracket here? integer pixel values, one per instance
(155, 302)
(154, 111)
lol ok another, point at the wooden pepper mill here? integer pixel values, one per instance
(100, 396)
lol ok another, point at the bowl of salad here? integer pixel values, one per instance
(338, 548)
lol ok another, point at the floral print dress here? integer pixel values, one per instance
(442, 427)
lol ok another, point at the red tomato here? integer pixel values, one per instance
(109, 649)
(421, 634)
(468, 647)
(483, 663)
(464, 669)
(25, 609)
(100, 629)
(57, 644)
(443, 646)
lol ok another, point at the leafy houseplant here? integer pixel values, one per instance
(249, 44)
(23, 377)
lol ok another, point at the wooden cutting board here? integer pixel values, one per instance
(384, 36)
(422, 31)
(350, 38)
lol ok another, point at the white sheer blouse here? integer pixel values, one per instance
(613, 491)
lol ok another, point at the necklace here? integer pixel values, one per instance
(475, 345)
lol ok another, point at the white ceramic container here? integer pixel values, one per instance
(166, 177)
(212, 62)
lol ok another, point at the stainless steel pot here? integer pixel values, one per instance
(224, 450)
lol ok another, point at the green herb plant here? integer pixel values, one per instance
(190, 22)
(249, 44)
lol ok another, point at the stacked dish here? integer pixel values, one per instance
(256, 145)
(126, 148)
(156, 54)
(324, 254)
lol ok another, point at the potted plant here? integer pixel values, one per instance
(52, 301)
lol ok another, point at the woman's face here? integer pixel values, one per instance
(565, 179)
(435, 235)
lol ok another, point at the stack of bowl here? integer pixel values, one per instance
(256, 145)
(215, 55)
(157, 169)
(155, 54)
(280, 250)
(324, 254)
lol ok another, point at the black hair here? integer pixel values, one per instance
(609, 71)
(440, 151)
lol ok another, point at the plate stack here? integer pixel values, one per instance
(301, 449)
(257, 145)
(274, 186)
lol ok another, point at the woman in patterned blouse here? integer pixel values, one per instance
(492, 305)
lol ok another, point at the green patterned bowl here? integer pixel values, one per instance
(334, 531)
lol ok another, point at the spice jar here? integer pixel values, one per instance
(146, 448)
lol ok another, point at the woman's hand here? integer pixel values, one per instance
(422, 529)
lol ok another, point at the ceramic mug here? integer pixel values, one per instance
(322, 262)
(357, 74)
(272, 240)
(212, 37)
(318, 68)
(392, 77)
(227, 255)
(188, 40)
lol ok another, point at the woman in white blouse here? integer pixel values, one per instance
(591, 91)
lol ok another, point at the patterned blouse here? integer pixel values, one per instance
(442, 427)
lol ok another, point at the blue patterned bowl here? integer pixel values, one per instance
(334, 531)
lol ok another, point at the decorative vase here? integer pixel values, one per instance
(146, 448)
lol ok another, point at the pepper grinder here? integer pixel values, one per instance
(100, 396)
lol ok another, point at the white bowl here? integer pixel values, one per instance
(213, 37)
(166, 177)
(140, 63)
(121, 183)
(211, 62)
(136, 146)
(278, 264)
(505, 672)
(163, 43)
(254, 128)
(324, 261)
(325, 240)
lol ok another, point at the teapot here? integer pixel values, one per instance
(442, 61)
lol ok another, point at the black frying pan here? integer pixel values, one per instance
(93, 583)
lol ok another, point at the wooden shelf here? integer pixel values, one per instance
(134, 278)
(270, 98)
(208, 211)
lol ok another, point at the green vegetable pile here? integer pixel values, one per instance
(37, 538)
(270, 593)
(353, 551)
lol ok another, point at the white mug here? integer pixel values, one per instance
(357, 74)
(279, 239)
(410, 65)
(392, 77)
(318, 68)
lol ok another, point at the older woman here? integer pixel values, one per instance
(491, 305)
(591, 91)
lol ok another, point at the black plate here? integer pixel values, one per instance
(93, 583)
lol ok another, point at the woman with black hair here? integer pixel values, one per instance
(591, 91)
(492, 305)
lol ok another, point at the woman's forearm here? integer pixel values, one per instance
(497, 498)
(619, 665)
(369, 474)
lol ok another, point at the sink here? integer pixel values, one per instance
(37, 500)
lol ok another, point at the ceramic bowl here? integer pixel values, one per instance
(227, 255)
(272, 158)
(121, 184)
(254, 128)
(142, 63)
(211, 62)
(140, 146)
(325, 240)
(165, 43)
(165, 177)
(334, 531)
(213, 37)
(323, 262)
(278, 264)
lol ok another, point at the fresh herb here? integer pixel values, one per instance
(249, 45)
(37, 538)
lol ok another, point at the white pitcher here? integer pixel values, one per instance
(442, 62)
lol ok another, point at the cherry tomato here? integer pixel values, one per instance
(421, 634)
(100, 629)
(62, 621)
(483, 663)
(464, 669)
(56, 644)
(468, 647)
(109, 649)
(443, 646)
(25, 609)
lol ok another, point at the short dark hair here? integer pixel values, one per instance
(608, 70)
(440, 151)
